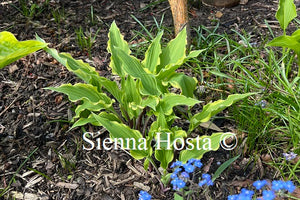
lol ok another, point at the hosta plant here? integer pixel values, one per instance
(138, 109)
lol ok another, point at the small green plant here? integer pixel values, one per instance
(3, 191)
(92, 17)
(85, 40)
(30, 10)
(58, 15)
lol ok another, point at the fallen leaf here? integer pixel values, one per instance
(12, 68)
(244, 183)
(296, 193)
(219, 14)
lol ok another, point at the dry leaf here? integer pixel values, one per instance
(211, 125)
(244, 183)
(296, 193)
(12, 68)
(219, 14)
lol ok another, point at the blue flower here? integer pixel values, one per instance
(188, 168)
(177, 170)
(185, 175)
(198, 164)
(176, 164)
(178, 184)
(191, 161)
(206, 176)
(268, 194)
(260, 184)
(232, 197)
(289, 156)
(143, 195)
(277, 185)
(206, 180)
(289, 186)
(246, 192)
(173, 175)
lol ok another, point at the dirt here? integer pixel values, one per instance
(34, 120)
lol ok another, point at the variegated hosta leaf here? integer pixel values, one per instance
(80, 91)
(165, 142)
(214, 108)
(127, 135)
(186, 83)
(174, 51)
(166, 71)
(135, 69)
(171, 100)
(11, 49)
(91, 106)
(152, 59)
(91, 119)
(131, 95)
(116, 40)
(197, 147)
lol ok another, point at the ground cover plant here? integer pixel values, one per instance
(266, 123)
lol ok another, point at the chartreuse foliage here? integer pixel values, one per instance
(285, 14)
(140, 106)
(11, 49)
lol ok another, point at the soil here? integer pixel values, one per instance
(38, 152)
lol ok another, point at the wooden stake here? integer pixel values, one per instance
(180, 16)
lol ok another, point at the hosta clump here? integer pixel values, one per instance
(138, 109)
(144, 102)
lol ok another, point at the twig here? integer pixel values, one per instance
(9, 105)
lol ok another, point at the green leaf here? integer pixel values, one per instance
(85, 72)
(116, 40)
(88, 105)
(93, 121)
(11, 49)
(150, 101)
(80, 91)
(170, 100)
(174, 51)
(152, 54)
(223, 167)
(286, 13)
(201, 145)
(214, 108)
(131, 95)
(134, 68)
(292, 42)
(164, 156)
(121, 131)
(177, 197)
(168, 70)
(185, 83)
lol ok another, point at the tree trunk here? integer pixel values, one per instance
(180, 16)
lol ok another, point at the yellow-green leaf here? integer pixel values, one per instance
(11, 49)
(214, 108)
(286, 12)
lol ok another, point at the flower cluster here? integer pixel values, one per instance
(143, 195)
(289, 156)
(276, 186)
(182, 172)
